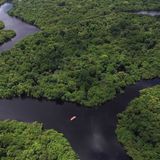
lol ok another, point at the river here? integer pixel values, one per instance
(92, 134)
(148, 13)
(22, 29)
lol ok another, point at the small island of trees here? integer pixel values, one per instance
(5, 35)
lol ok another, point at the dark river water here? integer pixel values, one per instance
(22, 29)
(92, 134)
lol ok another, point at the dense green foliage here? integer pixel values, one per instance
(139, 126)
(123, 5)
(22, 141)
(2, 1)
(5, 35)
(1, 25)
(86, 53)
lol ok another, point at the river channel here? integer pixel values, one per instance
(92, 133)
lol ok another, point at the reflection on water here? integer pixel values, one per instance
(148, 13)
(92, 134)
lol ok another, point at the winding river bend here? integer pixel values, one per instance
(92, 134)
(22, 29)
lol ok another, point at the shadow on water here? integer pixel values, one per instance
(92, 134)
(22, 29)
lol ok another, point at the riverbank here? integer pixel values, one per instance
(20, 29)
(92, 135)
(5, 35)
(140, 137)
(87, 63)
(61, 63)
(29, 141)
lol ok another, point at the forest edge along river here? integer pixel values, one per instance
(21, 28)
(92, 133)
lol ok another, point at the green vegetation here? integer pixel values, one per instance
(22, 141)
(86, 52)
(139, 125)
(1, 25)
(5, 35)
(2, 1)
(137, 5)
